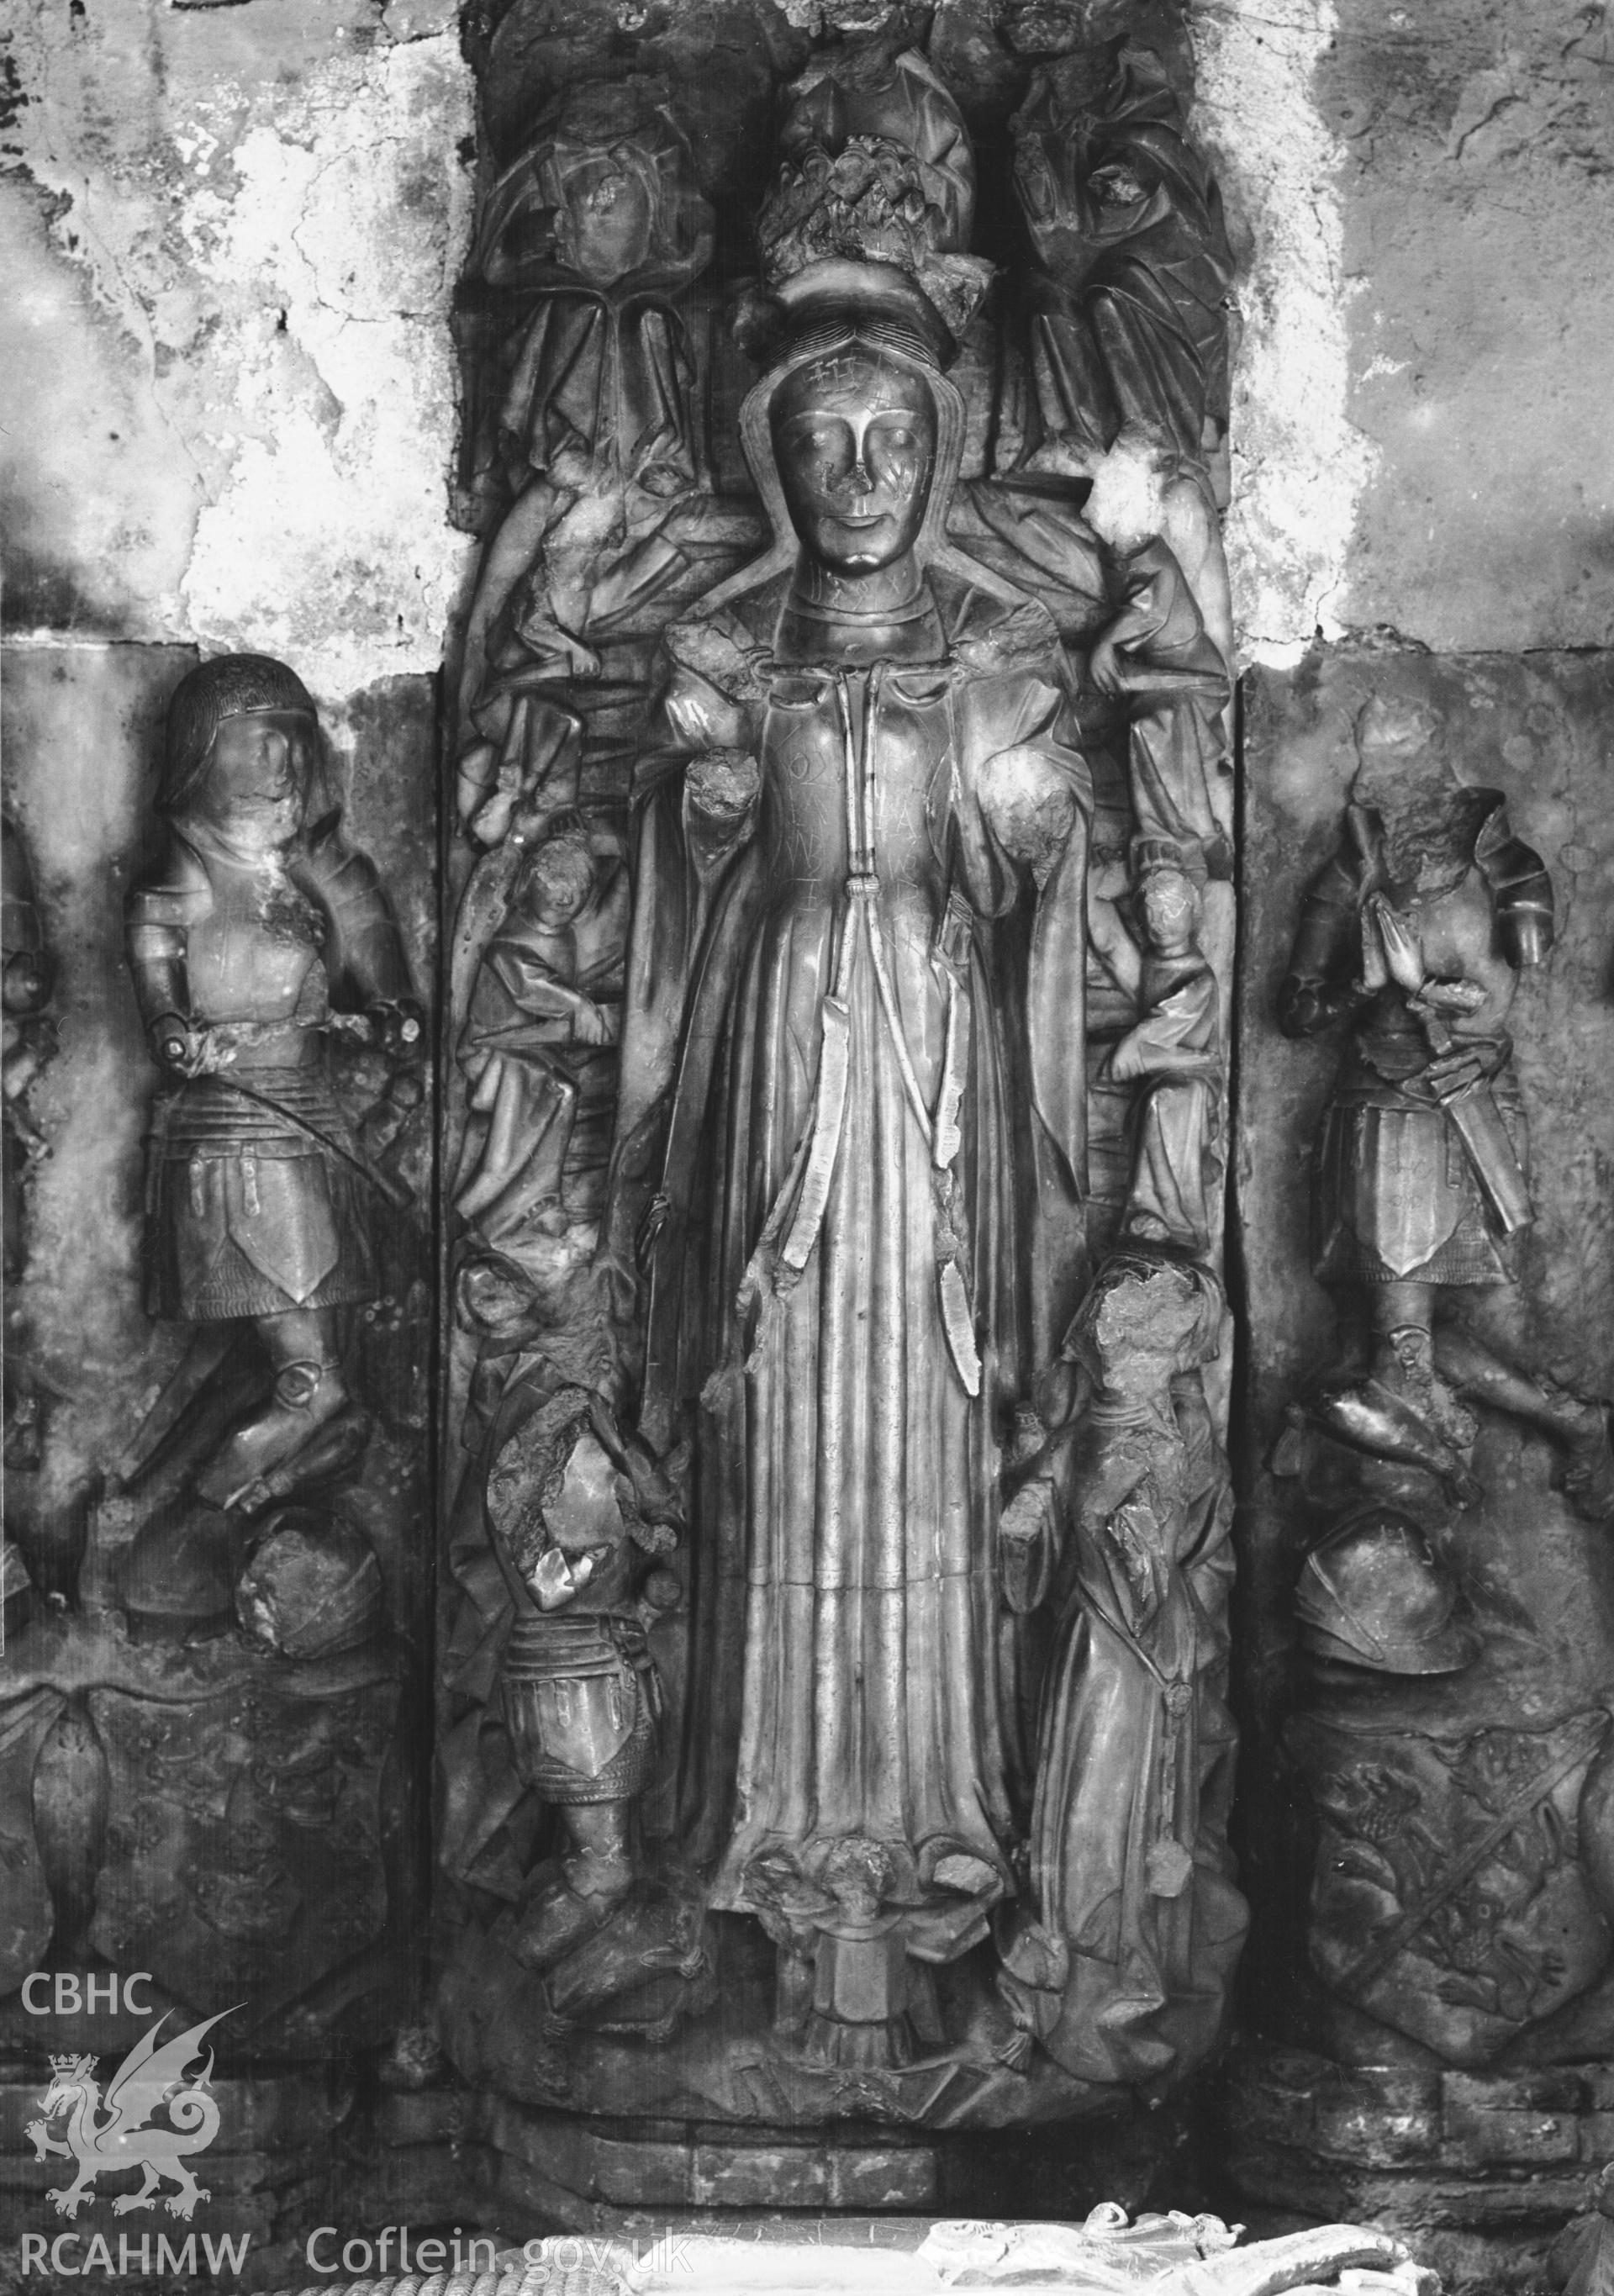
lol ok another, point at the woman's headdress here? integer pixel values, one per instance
(863, 244)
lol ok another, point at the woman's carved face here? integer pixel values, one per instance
(855, 436)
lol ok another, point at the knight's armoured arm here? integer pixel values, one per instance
(1523, 892)
(1321, 982)
(162, 904)
(364, 960)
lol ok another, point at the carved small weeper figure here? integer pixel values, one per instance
(539, 1041)
(1175, 1051)
(1119, 1959)
(254, 934)
(1130, 319)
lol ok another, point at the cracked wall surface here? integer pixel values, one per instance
(1476, 186)
(231, 237)
(229, 389)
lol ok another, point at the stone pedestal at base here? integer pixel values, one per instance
(1478, 2172)
(522, 2171)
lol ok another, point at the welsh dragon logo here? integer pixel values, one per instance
(128, 2138)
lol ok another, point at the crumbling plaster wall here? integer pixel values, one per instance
(230, 238)
(230, 234)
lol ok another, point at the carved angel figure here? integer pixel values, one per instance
(1174, 1051)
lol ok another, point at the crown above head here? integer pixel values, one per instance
(873, 204)
(71, 2064)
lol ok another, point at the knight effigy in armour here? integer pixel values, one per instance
(255, 934)
(1414, 935)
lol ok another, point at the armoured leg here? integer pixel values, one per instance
(1579, 1427)
(601, 1864)
(1396, 1308)
(574, 1897)
(308, 1393)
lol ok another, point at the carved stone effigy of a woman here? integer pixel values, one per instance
(854, 1101)
(842, 1240)
(840, 1275)
(868, 786)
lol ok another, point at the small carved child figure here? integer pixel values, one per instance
(538, 1043)
(859, 2013)
(854, 1986)
(1175, 1052)
(254, 933)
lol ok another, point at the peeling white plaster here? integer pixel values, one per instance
(330, 538)
(1300, 465)
(228, 375)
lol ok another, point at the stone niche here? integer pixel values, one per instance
(685, 1096)
(834, 1752)
(1427, 1634)
(210, 1772)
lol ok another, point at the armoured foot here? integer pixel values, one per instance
(598, 1874)
(556, 1919)
(305, 1397)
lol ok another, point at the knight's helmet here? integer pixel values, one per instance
(231, 685)
(1374, 1596)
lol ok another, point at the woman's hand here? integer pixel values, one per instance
(1104, 668)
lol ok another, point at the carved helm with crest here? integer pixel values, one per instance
(871, 211)
(863, 244)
